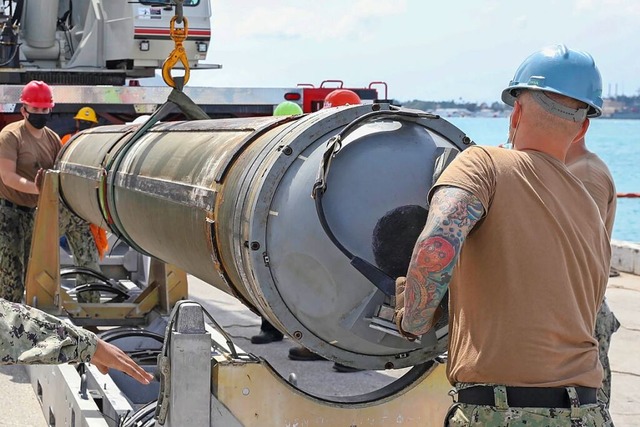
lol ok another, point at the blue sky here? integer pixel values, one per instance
(423, 49)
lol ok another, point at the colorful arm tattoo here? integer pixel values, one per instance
(452, 215)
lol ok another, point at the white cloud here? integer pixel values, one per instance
(581, 5)
(609, 7)
(521, 22)
(326, 20)
(461, 48)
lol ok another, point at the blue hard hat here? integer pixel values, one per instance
(561, 70)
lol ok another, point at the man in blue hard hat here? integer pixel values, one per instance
(519, 244)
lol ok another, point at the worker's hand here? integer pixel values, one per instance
(39, 179)
(401, 283)
(109, 356)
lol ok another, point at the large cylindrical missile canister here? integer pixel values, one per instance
(230, 201)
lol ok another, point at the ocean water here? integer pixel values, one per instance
(617, 142)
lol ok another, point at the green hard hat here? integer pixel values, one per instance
(287, 108)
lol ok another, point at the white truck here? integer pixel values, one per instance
(97, 52)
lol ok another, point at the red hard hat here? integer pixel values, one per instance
(37, 94)
(341, 97)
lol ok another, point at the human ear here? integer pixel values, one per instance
(583, 130)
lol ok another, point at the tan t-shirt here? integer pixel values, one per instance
(597, 179)
(30, 154)
(531, 275)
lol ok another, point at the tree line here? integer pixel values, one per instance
(471, 106)
(628, 101)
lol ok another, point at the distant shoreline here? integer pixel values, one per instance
(475, 116)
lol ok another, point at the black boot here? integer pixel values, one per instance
(268, 333)
(344, 368)
(304, 354)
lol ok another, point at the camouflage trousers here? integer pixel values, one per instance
(501, 415)
(606, 325)
(16, 229)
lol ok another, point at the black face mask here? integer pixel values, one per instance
(84, 125)
(38, 121)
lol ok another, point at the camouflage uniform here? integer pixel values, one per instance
(83, 248)
(606, 325)
(501, 415)
(29, 336)
(16, 227)
(15, 242)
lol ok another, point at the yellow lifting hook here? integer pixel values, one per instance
(178, 35)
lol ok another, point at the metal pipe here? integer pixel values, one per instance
(39, 25)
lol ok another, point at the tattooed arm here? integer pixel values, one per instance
(452, 215)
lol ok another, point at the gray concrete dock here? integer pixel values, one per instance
(20, 406)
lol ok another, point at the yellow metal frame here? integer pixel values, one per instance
(167, 283)
(257, 396)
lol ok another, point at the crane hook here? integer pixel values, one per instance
(178, 35)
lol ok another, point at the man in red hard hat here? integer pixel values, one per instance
(341, 97)
(26, 147)
(34, 337)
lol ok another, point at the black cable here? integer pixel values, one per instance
(379, 278)
(13, 55)
(17, 14)
(141, 418)
(119, 333)
(70, 14)
(69, 39)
